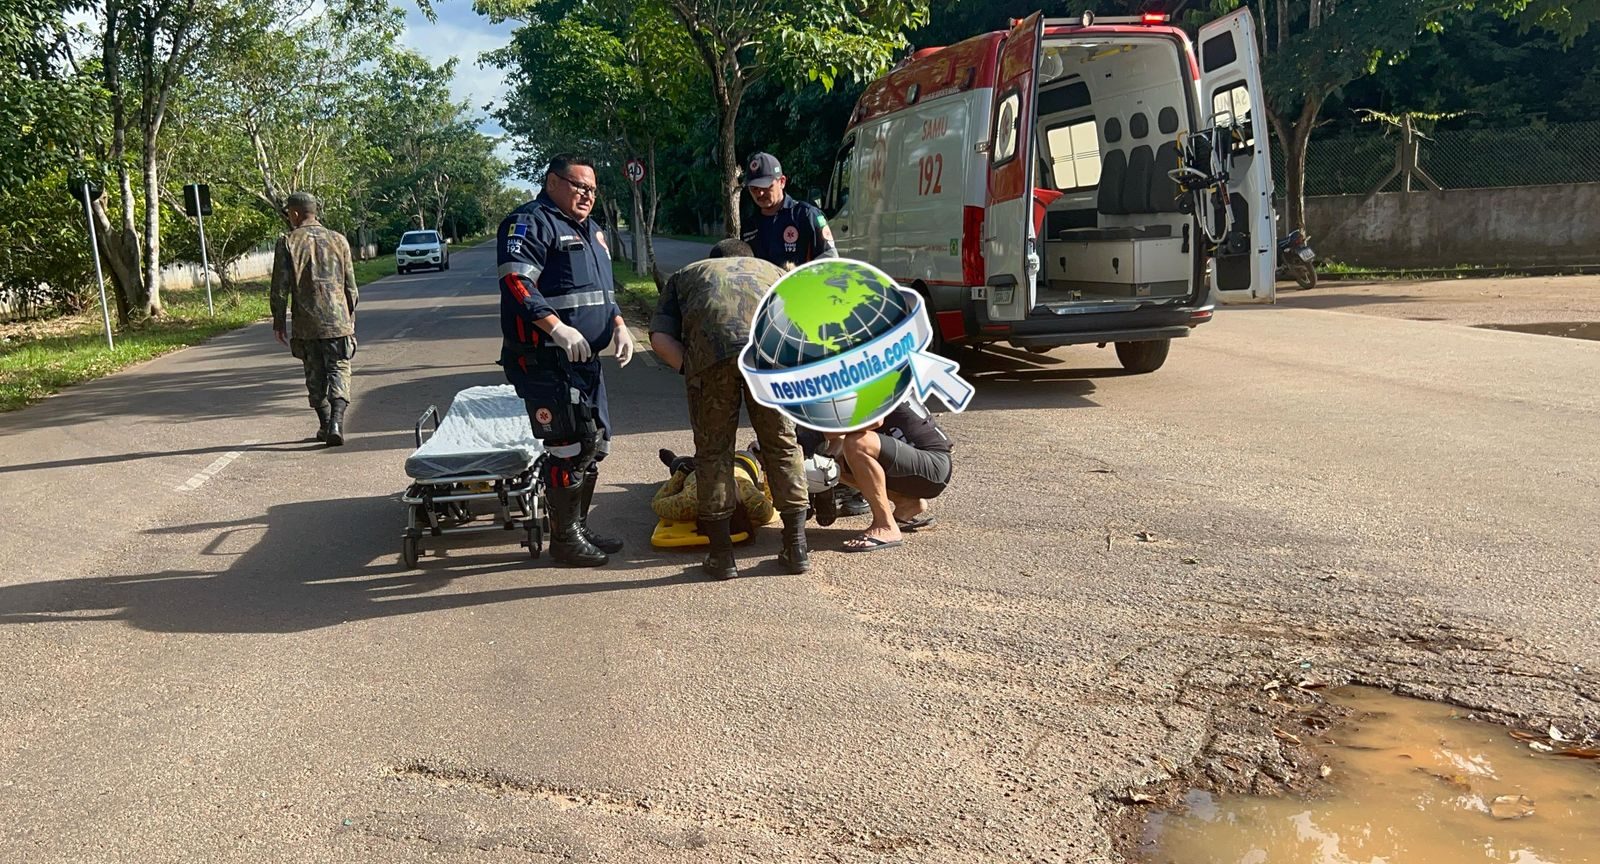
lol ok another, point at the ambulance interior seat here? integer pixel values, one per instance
(1134, 182)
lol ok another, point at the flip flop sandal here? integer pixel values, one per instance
(873, 544)
(921, 520)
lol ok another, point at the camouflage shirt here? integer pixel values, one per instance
(708, 306)
(314, 280)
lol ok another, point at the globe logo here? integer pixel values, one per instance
(836, 345)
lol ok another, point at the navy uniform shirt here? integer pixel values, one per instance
(796, 234)
(550, 264)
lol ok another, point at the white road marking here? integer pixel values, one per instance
(213, 469)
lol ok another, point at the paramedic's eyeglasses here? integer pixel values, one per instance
(580, 188)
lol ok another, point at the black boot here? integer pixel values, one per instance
(322, 422)
(336, 423)
(567, 543)
(609, 545)
(794, 556)
(720, 564)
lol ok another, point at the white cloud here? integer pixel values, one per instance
(463, 34)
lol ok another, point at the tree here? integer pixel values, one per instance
(282, 97)
(1315, 48)
(818, 40)
(611, 73)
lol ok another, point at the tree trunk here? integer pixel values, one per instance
(123, 267)
(726, 120)
(151, 306)
(1297, 143)
(639, 230)
(649, 226)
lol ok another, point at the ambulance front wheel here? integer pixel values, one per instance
(1140, 358)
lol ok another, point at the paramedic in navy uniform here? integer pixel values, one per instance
(788, 233)
(556, 315)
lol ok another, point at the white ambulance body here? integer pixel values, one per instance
(1019, 181)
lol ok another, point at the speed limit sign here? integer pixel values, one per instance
(635, 170)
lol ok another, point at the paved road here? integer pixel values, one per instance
(213, 654)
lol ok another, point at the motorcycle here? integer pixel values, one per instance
(1297, 261)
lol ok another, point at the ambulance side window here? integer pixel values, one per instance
(838, 197)
(1230, 106)
(1006, 124)
(1074, 154)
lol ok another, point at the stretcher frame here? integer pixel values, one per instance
(442, 507)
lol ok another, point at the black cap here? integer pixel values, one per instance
(761, 170)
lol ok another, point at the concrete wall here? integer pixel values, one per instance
(1522, 225)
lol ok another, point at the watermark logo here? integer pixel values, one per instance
(836, 345)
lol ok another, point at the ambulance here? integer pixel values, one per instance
(1026, 183)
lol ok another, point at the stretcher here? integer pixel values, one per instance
(673, 533)
(475, 471)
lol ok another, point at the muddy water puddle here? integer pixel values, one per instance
(1411, 782)
(1569, 329)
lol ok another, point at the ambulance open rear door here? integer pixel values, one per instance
(1232, 98)
(1011, 250)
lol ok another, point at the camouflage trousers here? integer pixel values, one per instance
(327, 365)
(714, 397)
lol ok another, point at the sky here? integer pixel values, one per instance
(462, 33)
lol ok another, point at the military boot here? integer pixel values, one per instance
(720, 564)
(567, 543)
(336, 423)
(609, 545)
(322, 422)
(794, 556)
(850, 502)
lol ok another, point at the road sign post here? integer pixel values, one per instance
(99, 275)
(197, 201)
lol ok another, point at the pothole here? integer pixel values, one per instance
(1410, 781)
(1568, 329)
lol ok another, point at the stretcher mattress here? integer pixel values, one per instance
(486, 431)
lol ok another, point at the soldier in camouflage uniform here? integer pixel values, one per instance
(314, 280)
(700, 326)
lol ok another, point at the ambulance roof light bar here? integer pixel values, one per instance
(1089, 19)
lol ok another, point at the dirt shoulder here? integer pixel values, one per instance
(1473, 302)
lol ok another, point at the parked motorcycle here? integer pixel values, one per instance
(1297, 261)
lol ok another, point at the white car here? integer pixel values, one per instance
(421, 249)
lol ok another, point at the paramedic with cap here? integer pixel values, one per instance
(556, 315)
(788, 232)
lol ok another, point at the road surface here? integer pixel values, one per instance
(213, 653)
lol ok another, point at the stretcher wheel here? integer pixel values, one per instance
(535, 541)
(410, 551)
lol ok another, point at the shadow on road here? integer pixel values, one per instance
(317, 564)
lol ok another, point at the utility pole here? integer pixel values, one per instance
(197, 201)
(99, 275)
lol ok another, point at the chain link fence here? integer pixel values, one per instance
(1354, 163)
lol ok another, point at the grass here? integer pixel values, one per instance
(377, 268)
(39, 358)
(636, 295)
(1336, 270)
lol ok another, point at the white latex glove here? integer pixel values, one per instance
(568, 339)
(622, 343)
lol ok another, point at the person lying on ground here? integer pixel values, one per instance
(898, 463)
